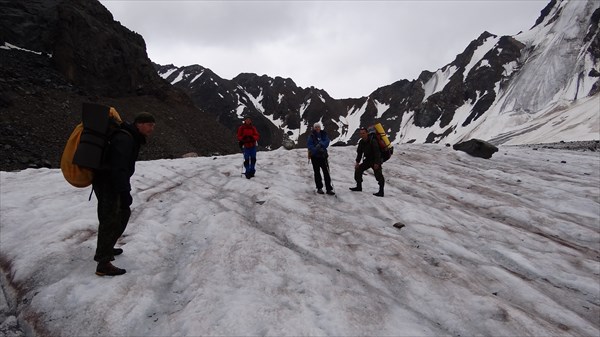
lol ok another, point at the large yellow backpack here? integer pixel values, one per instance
(386, 148)
(84, 150)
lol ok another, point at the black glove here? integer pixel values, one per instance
(320, 150)
(126, 200)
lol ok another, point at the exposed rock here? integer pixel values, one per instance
(477, 148)
(399, 225)
(94, 59)
(288, 144)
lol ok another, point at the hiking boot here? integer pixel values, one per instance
(320, 191)
(380, 193)
(107, 269)
(117, 251)
(330, 192)
(356, 189)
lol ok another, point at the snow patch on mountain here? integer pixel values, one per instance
(197, 77)
(438, 81)
(168, 73)
(256, 101)
(179, 77)
(350, 123)
(479, 53)
(381, 108)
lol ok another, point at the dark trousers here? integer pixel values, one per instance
(321, 164)
(250, 159)
(112, 217)
(358, 173)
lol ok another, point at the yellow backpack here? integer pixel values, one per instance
(85, 147)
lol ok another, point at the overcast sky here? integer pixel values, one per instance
(348, 48)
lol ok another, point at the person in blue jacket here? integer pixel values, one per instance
(317, 143)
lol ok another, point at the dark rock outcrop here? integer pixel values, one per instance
(477, 148)
(70, 52)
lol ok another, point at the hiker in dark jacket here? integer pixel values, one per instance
(248, 137)
(368, 151)
(113, 189)
(317, 143)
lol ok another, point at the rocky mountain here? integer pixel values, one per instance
(277, 106)
(56, 54)
(505, 89)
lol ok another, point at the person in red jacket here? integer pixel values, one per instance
(248, 137)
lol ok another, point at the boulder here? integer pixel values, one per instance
(288, 144)
(190, 155)
(477, 148)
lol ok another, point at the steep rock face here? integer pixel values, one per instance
(88, 47)
(481, 82)
(69, 52)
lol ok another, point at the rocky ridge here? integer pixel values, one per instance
(55, 55)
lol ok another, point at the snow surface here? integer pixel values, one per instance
(570, 121)
(554, 62)
(508, 246)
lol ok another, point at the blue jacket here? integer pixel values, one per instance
(317, 144)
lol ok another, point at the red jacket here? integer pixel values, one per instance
(248, 135)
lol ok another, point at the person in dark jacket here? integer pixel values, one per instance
(368, 151)
(248, 137)
(317, 143)
(113, 189)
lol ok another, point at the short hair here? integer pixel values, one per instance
(144, 117)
